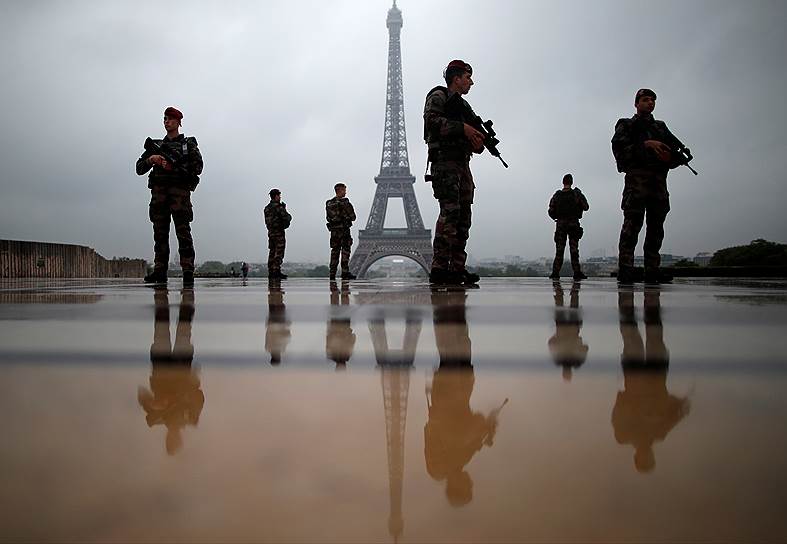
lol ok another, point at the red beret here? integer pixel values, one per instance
(457, 65)
(173, 112)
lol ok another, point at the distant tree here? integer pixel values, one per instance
(321, 271)
(212, 267)
(758, 253)
(685, 263)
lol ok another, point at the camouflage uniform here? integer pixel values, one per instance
(452, 182)
(567, 226)
(645, 190)
(170, 197)
(339, 214)
(277, 219)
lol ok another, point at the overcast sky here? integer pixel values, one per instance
(291, 94)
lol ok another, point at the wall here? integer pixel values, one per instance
(19, 259)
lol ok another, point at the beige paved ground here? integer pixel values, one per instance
(363, 412)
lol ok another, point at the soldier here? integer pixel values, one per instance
(643, 149)
(339, 214)
(566, 208)
(170, 185)
(451, 140)
(277, 219)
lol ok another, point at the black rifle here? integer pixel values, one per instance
(685, 155)
(490, 137)
(177, 163)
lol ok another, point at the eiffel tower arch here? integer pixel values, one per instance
(394, 180)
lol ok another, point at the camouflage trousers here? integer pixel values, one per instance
(341, 243)
(567, 228)
(173, 203)
(453, 187)
(645, 199)
(276, 245)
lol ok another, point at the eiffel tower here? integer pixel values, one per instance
(395, 179)
(395, 367)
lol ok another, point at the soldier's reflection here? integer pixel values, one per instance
(454, 432)
(277, 326)
(339, 336)
(175, 398)
(645, 411)
(568, 349)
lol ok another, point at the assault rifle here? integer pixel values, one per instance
(684, 155)
(490, 137)
(176, 163)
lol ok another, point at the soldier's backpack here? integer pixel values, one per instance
(567, 205)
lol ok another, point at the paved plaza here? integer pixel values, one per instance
(374, 411)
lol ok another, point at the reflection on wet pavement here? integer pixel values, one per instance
(175, 398)
(566, 346)
(670, 428)
(644, 411)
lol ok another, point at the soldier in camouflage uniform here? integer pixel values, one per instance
(451, 140)
(277, 219)
(170, 188)
(566, 208)
(643, 149)
(339, 214)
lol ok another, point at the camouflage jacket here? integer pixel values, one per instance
(186, 150)
(445, 115)
(568, 207)
(277, 218)
(629, 149)
(339, 213)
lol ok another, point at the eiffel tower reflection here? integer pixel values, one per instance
(395, 366)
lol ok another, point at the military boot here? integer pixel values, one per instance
(554, 275)
(578, 275)
(332, 275)
(188, 278)
(437, 275)
(159, 275)
(348, 275)
(470, 277)
(657, 275)
(625, 275)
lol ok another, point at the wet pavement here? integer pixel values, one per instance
(305, 411)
